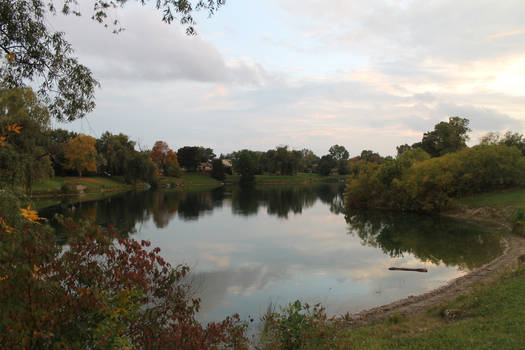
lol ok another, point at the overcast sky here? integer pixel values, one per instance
(306, 73)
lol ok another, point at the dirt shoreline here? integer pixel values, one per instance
(514, 247)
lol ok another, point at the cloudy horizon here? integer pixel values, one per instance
(307, 74)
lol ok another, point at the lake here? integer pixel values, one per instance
(271, 245)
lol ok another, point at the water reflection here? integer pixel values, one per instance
(429, 238)
(125, 210)
(250, 247)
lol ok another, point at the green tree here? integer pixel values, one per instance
(37, 54)
(116, 152)
(446, 137)
(326, 164)
(24, 123)
(57, 139)
(339, 152)
(245, 163)
(141, 167)
(189, 157)
(217, 170)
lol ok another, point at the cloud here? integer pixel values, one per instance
(149, 50)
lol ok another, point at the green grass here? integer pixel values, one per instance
(190, 179)
(508, 198)
(91, 184)
(489, 318)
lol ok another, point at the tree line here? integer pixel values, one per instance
(40, 152)
(431, 174)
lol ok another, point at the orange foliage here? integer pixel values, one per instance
(81, 154)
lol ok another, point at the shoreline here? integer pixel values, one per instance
(514, 248)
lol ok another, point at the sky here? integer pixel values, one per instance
(304, 73)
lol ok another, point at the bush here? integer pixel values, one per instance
(294, 326)
(103, 292)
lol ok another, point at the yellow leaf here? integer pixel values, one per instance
(14, 128)
(30, 215)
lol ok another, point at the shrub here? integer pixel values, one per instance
(103, 292)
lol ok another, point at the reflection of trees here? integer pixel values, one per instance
(283, 200)
(433, 239)
(123, 211)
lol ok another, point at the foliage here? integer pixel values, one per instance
(294, 326)
(102, 292)
(57, 138)
(141, 167)
(217, 170)
(518, 222)
(189, 157)
(326, 164)
(415, 182)
(114, 152)
(81, 154)
(23, 123)
(446, 137)
(35, 53)
(338, 152)
(165, 159)
(245, 163)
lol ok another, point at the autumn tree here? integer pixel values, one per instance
(81, 154)
(36, 54)
(165, 159)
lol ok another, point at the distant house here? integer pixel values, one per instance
(204, 167)
(226, 163)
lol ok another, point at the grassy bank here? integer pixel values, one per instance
(502, 199)
(71, 185)
(488, 316)
(491, 317)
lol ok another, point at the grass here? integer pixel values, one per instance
(92, 184)
(508, 198)
(190, 179)
(489, 318)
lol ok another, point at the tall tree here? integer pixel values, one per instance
(37, 54)
(189, 157)
(116, 151)
(81, 154)
(338, 152)
(24, 122)
(446, 137)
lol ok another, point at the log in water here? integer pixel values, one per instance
(407, 269)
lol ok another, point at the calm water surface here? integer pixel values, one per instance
(272, 245)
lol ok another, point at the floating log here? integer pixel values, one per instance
(407, 269)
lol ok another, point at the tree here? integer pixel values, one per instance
(165, 158)
(116, 152)
(24, 123)
(338, 152)
(81, 154)
(326, 164)
(446, 137)
(217, 170)
(141, 167)
(36, 54)
(189, 157)
(245, 164)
